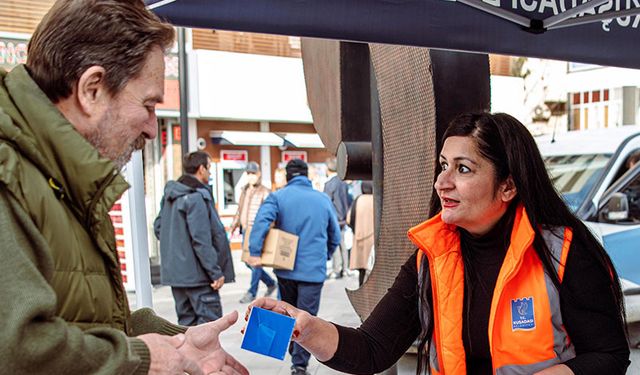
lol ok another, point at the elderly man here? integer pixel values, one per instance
(69, 120)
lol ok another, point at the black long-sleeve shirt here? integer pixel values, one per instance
(588, 310)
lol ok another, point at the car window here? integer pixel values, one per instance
(574, 175)
(632, 191)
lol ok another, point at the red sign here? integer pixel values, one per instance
(234, 155)
(290, 155)
(176, 134)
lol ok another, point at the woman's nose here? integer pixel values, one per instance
(443, 182)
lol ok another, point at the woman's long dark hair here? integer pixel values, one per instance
(509, 146)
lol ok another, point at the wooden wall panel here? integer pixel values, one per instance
(22, 16)
(500, 65)
(241, 42)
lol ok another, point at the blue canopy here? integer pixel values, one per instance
(552, 29)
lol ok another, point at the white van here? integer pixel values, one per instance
(590, 170)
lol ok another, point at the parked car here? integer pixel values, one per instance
(592, 170)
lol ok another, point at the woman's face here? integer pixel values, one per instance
(467, 188)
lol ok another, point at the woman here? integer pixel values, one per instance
(505, 279)
(360, 220)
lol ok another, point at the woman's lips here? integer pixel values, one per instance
(449, 203)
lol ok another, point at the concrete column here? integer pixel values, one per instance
(629, 105)
(142, 273)
(265, 158)
(193, 135)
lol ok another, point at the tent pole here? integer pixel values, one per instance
(498, 12)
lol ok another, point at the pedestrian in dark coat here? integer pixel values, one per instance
(194, 250)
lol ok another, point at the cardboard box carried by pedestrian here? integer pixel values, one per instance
(279, 249)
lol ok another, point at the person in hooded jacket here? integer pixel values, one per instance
(194, 250)
(71, 117)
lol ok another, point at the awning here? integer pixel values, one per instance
(304, 140)
(249, 138)
(601, 32)
(242, 138)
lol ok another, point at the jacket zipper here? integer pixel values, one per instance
(507, 279)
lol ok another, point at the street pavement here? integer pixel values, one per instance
(334, 306)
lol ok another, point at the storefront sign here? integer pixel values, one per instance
(171, 83)
(12, 52)
(290, 155)
(234, 156)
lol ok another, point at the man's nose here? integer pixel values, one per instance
(150, 130)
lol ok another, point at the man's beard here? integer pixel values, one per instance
(99, 140)
(125, 156)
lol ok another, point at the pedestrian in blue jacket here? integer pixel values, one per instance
(194, 250)
(309, 214)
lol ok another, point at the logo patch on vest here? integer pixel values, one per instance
(522, 315)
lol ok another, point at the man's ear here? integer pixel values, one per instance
(508, 190)
(92, 91)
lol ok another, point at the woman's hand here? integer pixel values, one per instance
(316, 335)
(556, 370)
(302, 317)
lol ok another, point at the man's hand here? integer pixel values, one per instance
(254, 261)
(166, 359)
(218, 283)
(203, 347)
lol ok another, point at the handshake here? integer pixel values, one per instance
(198, 350)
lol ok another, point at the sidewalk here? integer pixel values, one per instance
(334, 306)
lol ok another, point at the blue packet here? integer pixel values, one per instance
(268, 333)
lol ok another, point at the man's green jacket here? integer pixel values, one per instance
(62, 301)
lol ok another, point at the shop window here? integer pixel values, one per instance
(231, 177)
(575, 119)
(586, 118)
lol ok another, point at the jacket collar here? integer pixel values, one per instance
(436, 238)
(191, 181)
(299, 181)
(91, 183)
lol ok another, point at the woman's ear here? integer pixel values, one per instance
(508, 190)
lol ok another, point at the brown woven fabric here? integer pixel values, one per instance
(321, 63)
(407, 106)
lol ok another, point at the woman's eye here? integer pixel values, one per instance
(444, 166)
(463, 169)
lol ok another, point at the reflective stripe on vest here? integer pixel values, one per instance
(521, 341)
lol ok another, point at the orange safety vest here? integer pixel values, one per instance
(526, 331)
